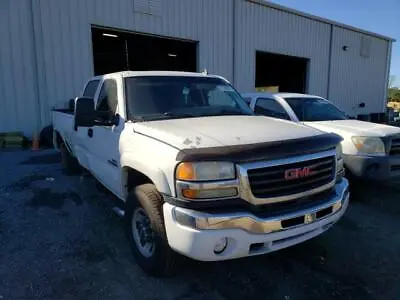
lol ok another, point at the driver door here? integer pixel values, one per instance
(104, 140)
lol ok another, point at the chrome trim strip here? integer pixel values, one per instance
(289, 160)
(245, 189)
(250, 223)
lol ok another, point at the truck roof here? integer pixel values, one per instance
(125, 74)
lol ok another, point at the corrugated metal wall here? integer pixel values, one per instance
(272, 30)
(65, 37)
(355, 78)
(46, 49)
(18, 91)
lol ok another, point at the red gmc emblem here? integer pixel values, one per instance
(298, 173)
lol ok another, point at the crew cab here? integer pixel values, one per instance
(370, 151)
(195, 172)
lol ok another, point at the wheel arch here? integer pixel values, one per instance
(134, 174)
(57, 139)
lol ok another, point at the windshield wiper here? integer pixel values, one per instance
(162, 116)
(231, 112)
(178, 114)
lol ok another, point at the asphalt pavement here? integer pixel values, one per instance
(59, 239)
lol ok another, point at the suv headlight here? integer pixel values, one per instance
(369, 145)
(206, 180)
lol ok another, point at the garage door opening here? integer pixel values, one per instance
(276, 72)
(115, 51)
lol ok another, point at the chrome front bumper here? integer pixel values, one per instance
(252, 224)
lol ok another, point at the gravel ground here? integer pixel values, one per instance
(59, 239)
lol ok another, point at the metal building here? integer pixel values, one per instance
(48, 48)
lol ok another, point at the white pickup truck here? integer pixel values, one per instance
(370, 151)
(196, 172)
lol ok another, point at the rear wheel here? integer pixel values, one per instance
(144, 225)
(69, 163)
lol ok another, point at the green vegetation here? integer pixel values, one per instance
(394, 94)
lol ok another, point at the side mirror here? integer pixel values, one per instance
(84, 112)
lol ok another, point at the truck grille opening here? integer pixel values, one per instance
(286, 207)
(325, 212)
(289, 179)
(292, 222)
(395, 149)
(256, 247)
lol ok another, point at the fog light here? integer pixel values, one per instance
(220, 246)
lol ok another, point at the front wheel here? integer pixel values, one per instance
(144, 225)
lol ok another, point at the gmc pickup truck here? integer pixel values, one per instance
(370, 151)
(195, 172)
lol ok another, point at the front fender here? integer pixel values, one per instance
(156, 175)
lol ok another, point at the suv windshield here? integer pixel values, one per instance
(171, 97)
(315, 109)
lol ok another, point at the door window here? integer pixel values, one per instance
(271, 108)
(108, 100)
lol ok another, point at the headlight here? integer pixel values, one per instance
(339, 163)
(206, 180)
(369, 145)
(204, 171)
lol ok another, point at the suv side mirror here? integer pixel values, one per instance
(84, 112)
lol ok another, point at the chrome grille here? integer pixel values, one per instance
(395, 149)
(270, 182)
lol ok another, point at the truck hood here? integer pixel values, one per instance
(217, 131)
(354, 128)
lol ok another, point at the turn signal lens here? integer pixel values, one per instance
(191, 194)
(185, 171)
(209, 194)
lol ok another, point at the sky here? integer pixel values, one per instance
(381, 17)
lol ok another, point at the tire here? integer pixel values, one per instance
(145, 200)
(69, 163)
(356, 186)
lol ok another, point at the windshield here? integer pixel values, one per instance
(166, 97)
(315, 109)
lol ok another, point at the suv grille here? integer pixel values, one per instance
(269, 182)
(395, 149)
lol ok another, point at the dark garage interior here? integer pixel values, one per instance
(288, 73)
(115, 51)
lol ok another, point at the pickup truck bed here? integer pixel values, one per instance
(68, 111)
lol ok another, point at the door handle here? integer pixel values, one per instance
(90, 132)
